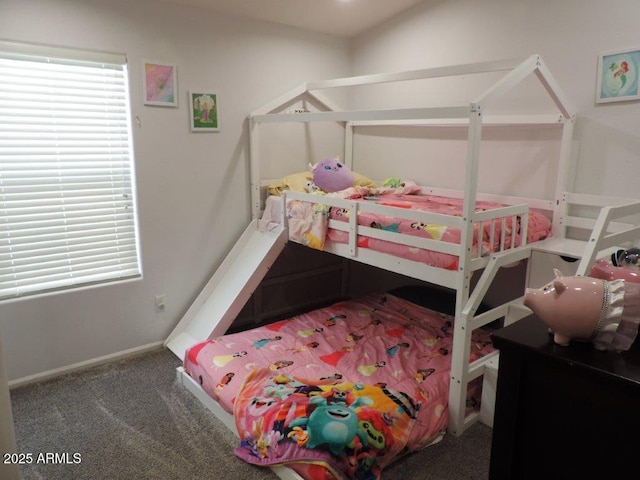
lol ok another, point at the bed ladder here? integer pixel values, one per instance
(614, 226)
(466, 321)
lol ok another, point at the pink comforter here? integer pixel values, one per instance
(379, 342)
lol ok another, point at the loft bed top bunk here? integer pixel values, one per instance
(472, 115)
(571, 230)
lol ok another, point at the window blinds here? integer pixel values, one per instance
(67, 198)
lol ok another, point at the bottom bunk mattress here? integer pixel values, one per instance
(338, 392)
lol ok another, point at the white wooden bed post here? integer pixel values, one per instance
(563, 184)
(462, 331)
(459, 376)
(348, 145)
(254, 161)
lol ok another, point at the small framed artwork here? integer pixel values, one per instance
(618, 76)
(160, 84)
(203, 111)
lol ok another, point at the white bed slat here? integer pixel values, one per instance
(426, 73)
(488, 121)
(352, 115)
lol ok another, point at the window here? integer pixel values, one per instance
(67, 197)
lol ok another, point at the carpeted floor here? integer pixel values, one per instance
(132, 420)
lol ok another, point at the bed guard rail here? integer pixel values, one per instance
(492, 228)
(608, 233)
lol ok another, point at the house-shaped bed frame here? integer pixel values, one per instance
(584, 226)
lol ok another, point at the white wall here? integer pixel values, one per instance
(193, 194)
(568, 34)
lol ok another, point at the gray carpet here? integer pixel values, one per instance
(132, 420)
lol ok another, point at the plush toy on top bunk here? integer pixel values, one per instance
(329, 175)
(605, 312)
(332, 177)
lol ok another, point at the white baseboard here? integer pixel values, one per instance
(56, 372)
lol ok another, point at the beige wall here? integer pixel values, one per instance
(568, 34)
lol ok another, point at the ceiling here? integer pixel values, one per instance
(344, 18)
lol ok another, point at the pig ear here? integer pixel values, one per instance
(557, 273)
(559, 286)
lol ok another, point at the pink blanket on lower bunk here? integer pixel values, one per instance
(338, 392)
(308, 224)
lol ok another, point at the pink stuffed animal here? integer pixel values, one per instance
(330, 175)
(604, 312)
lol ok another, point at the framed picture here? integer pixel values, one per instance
(160, 84)
(618, 76)
(203, 111)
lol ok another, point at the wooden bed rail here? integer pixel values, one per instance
(487, 220)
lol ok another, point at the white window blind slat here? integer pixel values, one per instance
(49, 238)
(69, 239)
(66, 282)
(67, 197)
(72, 198)
(33, 228)
(97, 187)
(95, 249)
(99, 249)
(70, 269)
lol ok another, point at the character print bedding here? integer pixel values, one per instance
(309, 223)
(338, 392)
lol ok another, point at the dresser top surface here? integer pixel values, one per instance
(532, 336)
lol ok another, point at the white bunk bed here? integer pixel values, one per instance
(584, 226)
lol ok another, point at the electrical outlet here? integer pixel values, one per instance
(161, 302)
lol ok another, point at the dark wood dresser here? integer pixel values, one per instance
(564, 412)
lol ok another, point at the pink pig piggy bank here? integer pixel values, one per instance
(588, 309)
